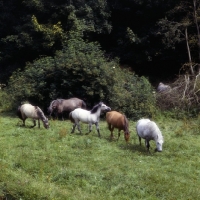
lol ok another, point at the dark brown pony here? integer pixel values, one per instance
(117, 120)
(59, 106)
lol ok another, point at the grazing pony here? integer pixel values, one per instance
(28, 111)
(148, 130)
(89, 117)
(117, 120)
(59, 106)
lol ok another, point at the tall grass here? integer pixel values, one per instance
(55, 164)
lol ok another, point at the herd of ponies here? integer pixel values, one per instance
(145, 128)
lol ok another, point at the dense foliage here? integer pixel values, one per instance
(81, 70)
(53, 49)
(147, 35)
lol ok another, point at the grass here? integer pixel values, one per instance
(55, 164)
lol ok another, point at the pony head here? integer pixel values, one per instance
(104, 107)
(159, 144)
(52, 106)
(45, 123)
(126, 136)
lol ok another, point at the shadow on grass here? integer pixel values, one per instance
(26, 126)
(137, 148)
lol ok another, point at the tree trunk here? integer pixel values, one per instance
(188, 49)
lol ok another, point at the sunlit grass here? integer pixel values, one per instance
(55, 164)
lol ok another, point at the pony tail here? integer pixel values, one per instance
(19, 114)
(71, 118)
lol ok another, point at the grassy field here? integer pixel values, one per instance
(55, 164)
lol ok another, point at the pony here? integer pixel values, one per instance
(148, 130)
(117, 120)
(59, 106)
(163, 88)
(90, 117)
(29, 111)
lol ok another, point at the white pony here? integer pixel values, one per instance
(28, 111)
(163, 88)
(89, 117)
(148, 130)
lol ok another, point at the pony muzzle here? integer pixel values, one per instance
(108, 109)
(158, 150)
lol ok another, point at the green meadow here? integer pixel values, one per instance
(55, 164)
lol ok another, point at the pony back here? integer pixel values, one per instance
(83, 104)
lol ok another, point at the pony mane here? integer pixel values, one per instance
(60, 100)
(160, 137)
(40, 113)
(52, 103)
(126, 125)
(159, 134)
(56, 102)
(95, 108)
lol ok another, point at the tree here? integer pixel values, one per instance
(34, 28)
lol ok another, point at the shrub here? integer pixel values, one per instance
(82, 70)
(5, 101)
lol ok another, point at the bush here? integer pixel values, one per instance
(81, 70)
(5, 101)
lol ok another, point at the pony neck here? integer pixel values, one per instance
(126, 129)
(40, 113)
(96, 109)
(159, 136)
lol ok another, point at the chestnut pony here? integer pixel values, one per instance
(117, 120)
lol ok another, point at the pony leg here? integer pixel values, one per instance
(111, 132)
(73, 128)
(140, 140)
(97, 127)
(147, 145)
(38, 123)
(111, 128)
(79, 128)
(118, 135)
(34, 123)
(24, 122)
(90, 127)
